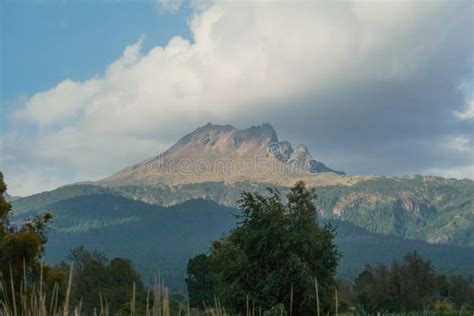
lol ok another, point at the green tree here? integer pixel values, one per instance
(460, 291)
(418, 287)
(409, 286)
(363, 286)
(275, 254)
(95, 277)
(200, 282)
(21, 249)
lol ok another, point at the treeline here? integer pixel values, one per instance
(410, 285)
(112, 285)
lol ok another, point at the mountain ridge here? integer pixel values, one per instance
(225, 153)
(433, 209)
(162, 239)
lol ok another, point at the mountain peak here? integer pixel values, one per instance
(213, 153)
(202, 135)
(227, 137)
(260, 131)
(214, 127)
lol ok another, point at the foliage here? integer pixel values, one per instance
(408, 286)
(164, 238)
(423, 208)
(98, 281)
(412, 285)
(275, 253)
(21, 249)
(200, 281)
(432, 209)
(277, 310)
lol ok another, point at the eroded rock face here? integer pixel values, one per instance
(225, 153)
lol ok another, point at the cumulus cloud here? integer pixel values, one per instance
(247, 63)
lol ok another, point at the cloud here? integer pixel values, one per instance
(468, 113)
(170, 5)
(324, 72)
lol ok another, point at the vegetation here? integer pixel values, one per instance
(37, 301)
(277, 260)
(412, 285)
(21, 249)
(432, 209)
(28, 287)
(97, 279)
(276, 254)
(41, 201)
(164, 238)
(158, 239)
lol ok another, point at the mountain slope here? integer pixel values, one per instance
(11, 198)
(218, 162)
(433, 209)
(41, 201)
(161, 240)
(214, 153)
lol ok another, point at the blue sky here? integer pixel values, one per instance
(371, 88)
(44, 42)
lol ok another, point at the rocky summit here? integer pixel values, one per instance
(224, 153)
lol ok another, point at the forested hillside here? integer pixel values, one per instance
(436, 210)
(161, 239)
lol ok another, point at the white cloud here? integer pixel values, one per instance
(170, 5)
(242, 54)
(461, 143)
(468, 113)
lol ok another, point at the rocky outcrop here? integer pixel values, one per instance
(224, 153)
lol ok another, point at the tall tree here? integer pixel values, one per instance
(460, 291)
(419, 282)
(21, 247)
(200, 282)
(405, 287)
(97, 277)
(275, 254)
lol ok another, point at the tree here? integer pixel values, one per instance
(200, 282)
(275, 254)
(363, 285)
(418, 282)
(21, 249)
(95, 277)
(460, 291)
(405, 287)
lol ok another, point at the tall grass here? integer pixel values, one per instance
(33, 300)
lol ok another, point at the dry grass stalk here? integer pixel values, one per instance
(68, 293)
(317, 296)
(291, 300)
